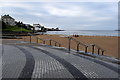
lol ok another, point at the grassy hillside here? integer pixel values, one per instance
(14, 29)
(9, 28)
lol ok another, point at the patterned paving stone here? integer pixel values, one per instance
(45, 62)
(13, 62)
(47, 67)
(29, 66)
(1, 61)
(87, 67)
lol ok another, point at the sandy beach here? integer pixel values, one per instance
(108, 43)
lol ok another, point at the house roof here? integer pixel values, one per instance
(7, 16)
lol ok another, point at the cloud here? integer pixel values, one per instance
(36, 14)
(67, 15)
(72, 11)
(16, 5)
(59, 0)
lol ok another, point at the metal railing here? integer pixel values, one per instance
(55, 43)
(50, 41)
(85, 46)
(43, 41)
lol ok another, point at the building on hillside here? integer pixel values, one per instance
(28, 26)
(37, 26)
(8, 20)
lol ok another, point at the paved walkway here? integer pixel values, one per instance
(23, 61)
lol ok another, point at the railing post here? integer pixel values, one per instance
(59, 45)
(55, 43)
(98, 51)
(93, 49)
(50, 42)
(102, 52)
(43, 41)
(86, 49)
(77, 47)
(30, 38)
(37, 39)
(69, 45)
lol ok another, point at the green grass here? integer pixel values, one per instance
(15, 29)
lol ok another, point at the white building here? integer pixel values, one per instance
(37, 26)
(8, 20)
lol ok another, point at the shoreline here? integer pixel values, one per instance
(82, 35)
(86, 32)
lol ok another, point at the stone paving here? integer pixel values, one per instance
(47, 67)
(13, 61)
(87, 67)
(21, 61)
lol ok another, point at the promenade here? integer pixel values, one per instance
(33, 61)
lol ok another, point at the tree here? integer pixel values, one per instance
(29, 27)
(57, 28)
(4, 26)
(20, 24)
(43, 29)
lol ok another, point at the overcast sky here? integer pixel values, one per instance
(65, 15)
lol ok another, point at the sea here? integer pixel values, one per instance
(86, 32)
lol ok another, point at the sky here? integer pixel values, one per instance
(65, 15)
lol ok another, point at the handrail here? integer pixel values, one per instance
(50, 41)
(85, 45)
(93, 46)
(78, 42)
(44, 40)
